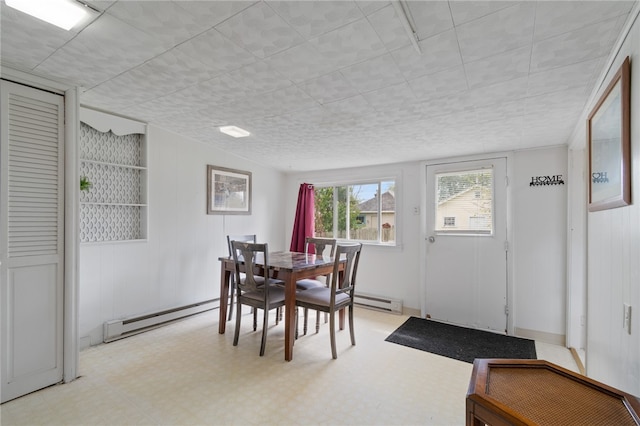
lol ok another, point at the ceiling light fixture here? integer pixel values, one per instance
(62, 13)
(234, 131)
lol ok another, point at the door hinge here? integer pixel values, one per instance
(506, 309)
(506, 246)
(506, 181)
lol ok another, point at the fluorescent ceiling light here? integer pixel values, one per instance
(61, 13)
(234, 131)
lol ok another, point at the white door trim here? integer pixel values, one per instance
(72, 209)
(72, 236)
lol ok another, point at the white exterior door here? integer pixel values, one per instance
(466, 247)
(31, 239)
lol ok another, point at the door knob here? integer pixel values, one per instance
(432, 239)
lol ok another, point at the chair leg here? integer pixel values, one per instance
(278, 313)
(255, 319)
(326, 314)
(318, 321)
(332, 334)
(231, 291)
(236, 334)
(306, 321)
(353, 334)
(265, 323)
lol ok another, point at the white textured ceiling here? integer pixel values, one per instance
(332, 84)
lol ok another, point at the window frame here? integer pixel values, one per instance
(349, 183)
(466, 232)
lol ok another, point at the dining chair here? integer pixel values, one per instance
(249, 238)
(255, 288)
(339, 295)
(319, 245)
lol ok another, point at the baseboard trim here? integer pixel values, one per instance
(578, 360)
(542, 336)
(411, 312)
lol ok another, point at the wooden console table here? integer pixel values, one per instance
(526, 392)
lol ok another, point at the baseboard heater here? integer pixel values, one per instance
(379, 303)
(119, 329)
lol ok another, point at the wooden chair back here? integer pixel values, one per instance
(319, 245)
(346, 282)
(249, 276)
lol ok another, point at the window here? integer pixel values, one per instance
(468, 197)
(362, 212)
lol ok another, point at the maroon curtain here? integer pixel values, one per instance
(303, 226)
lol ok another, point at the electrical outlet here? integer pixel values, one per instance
(627, 317)
(416, 210)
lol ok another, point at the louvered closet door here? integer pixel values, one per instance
(31, 238)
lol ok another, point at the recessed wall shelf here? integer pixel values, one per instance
(113, 157)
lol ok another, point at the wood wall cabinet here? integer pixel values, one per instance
(113, 157)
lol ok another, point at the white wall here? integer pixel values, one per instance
(178, 263)
(385, 271)
(577, 250)
(539, 245)
(613, 254)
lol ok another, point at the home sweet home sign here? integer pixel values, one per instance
(546, 180)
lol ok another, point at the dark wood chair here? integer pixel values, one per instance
(320, 246)
(339, 295)
(249, 238)
(255, 288)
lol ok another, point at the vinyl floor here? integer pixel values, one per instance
(186, 373)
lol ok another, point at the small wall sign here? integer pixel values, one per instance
(599, 177)
(546, 180)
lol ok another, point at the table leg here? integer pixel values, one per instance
(289, 316)
(225, 275)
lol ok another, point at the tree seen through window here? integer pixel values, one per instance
(356, 212)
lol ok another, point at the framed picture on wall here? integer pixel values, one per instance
(228, 191)
(609, 139)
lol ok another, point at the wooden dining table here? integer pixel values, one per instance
(289, 267)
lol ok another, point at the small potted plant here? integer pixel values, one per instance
(85, 184)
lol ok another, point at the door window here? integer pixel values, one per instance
(464, 202)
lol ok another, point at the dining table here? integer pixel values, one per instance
(289, 267)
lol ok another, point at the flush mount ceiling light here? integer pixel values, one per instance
(65, 14)
(234, 131)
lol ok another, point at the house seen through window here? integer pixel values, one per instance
(362, 212)
(465, 202)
